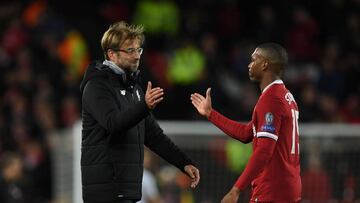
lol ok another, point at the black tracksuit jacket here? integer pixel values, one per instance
(116, 125)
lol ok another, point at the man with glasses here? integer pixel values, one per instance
(117, 122)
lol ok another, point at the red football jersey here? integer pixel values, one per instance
(276, 117)
(273, 169)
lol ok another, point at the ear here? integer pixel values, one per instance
(109, 53)
(265, 65)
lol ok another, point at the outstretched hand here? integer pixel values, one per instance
(153, 95)
(194, 174)
(201, 103)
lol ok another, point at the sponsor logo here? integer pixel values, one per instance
(269, 118)
(268, 127)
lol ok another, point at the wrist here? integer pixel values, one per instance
(208, 113)
(235, 190)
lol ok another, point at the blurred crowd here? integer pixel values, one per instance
(45, 46)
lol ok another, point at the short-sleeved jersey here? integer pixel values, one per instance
(276, 117)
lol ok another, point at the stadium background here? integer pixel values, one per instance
(190, 45)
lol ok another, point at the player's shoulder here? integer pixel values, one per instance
(278, 94)
(275, 92)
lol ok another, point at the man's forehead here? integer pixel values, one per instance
(257, 52)
(131, 42)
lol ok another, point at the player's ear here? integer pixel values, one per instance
(265, 64)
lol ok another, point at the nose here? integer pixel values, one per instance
(136, 55)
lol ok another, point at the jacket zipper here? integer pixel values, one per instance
(137, 126)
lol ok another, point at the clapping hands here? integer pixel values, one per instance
(153, 96)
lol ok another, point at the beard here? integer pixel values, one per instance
(132, 67)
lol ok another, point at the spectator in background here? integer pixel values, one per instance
(274, 167)
(185, 74)
(11, 171)
(117, 122)
(302, 36)
(37, 169)
(316, 182)
(160, 17)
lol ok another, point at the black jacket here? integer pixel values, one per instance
(116, 125)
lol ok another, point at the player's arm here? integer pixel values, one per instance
(258, 160)
(256, 164)
(232, 128)
(268, 113)
(236, 130)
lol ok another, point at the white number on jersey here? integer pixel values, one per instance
(295, 130)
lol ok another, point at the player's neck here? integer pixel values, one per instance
(267, 80)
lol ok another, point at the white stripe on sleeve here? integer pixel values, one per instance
(266, 134)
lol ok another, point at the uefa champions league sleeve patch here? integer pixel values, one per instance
(268, 126)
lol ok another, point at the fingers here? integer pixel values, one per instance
(156, 101)
(153, 101)
(148, 86)
(156, 93)
(153, 95)
(197, 95)
(194, 174)
(196, 105)
(196, 99)
(208, 95)
(195, 180)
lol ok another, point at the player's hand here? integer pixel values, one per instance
(232, 196)
(153, 95)
(194, 174)
(201, 103)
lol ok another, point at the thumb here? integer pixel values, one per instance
(208, 95)
(149, 86)
(192, 173)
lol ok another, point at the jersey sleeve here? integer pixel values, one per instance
(242, 132)
(257, 162)
(268, 118)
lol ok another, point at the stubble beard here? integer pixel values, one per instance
(132, 67)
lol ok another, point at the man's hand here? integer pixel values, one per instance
(194, 174)
(153, 96)
(232, 196)
(202, 104)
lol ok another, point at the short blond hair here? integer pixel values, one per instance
(118, 33)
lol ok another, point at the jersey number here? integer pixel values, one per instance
(295, 130)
